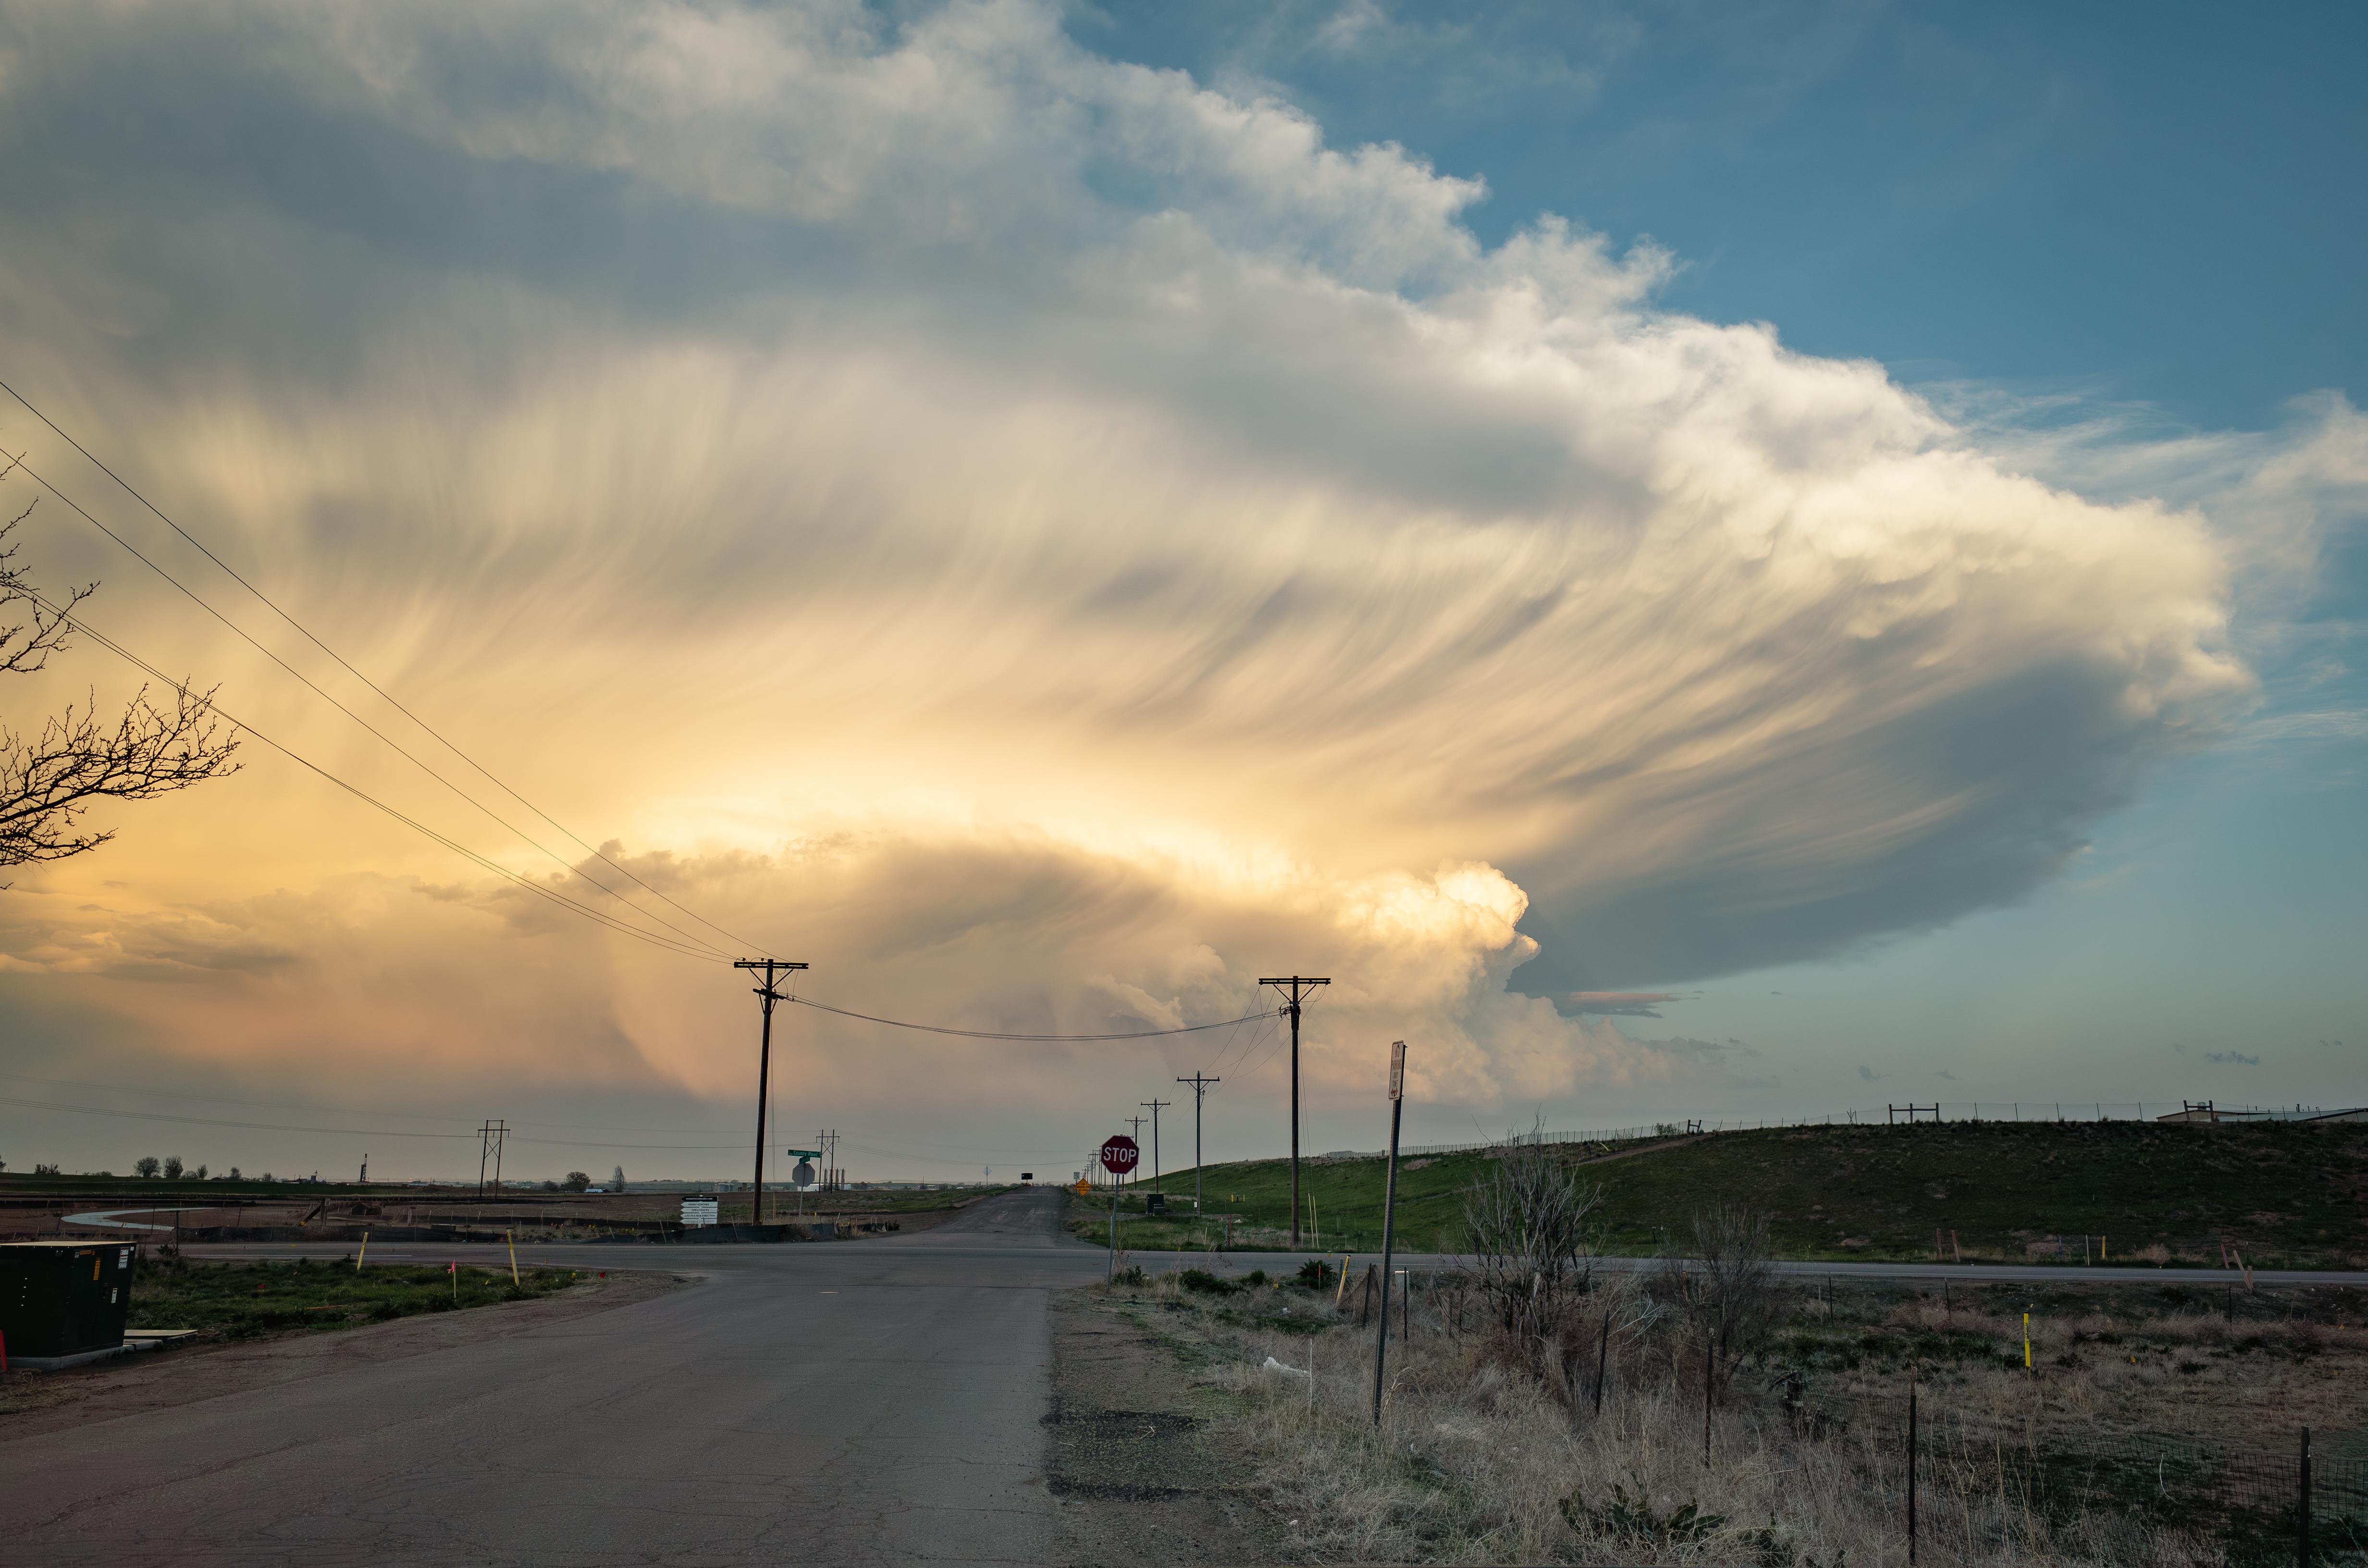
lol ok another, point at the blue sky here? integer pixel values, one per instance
(2157, 204)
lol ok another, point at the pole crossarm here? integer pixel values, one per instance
(1296, 987)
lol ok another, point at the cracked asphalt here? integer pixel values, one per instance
(875, 1401)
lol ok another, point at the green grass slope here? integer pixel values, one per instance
(2283, 1193)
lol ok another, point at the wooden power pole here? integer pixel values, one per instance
(767, 996)
(1296, 987)
(1200, 1092)
(1155, 1105)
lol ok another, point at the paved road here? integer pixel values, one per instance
(875, 1402)
(870, 1402)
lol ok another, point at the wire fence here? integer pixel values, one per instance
(2300, 1498)
(1944, 1111)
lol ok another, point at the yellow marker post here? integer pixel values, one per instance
(2026, 1342)
(512, 1236)
(1342, 1289)
(363, 1253)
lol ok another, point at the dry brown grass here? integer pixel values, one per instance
(1487, 1453)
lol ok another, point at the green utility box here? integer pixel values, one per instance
(63, 1298)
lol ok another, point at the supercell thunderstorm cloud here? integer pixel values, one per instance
(1042, 540)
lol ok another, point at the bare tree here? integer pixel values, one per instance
(48, 780)
(1728, 1289)
(1527, 1224)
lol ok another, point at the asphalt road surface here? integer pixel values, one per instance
(869, 1401)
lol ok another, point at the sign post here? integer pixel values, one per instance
(1119, 1154)
(1389, 1218)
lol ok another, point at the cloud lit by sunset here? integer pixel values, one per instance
(1043, 539)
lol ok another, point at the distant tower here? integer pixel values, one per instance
(365, 1175)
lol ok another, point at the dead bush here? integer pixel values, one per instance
(1724, 1294)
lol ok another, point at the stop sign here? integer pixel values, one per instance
(1120, 1154)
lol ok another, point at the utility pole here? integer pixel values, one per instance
(1200, 1092)
(1296, 987)
(1154, 1103)
(767, 996)
(490, 1139)
(1389, 1220)
(1136, 1124)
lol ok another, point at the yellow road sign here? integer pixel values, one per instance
(1084, 1187)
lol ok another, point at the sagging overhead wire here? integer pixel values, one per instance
(687, 943)
(994, 1034)
(742, 944)
(599, 917)
(214, 1121)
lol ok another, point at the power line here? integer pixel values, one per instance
(213, 1122)
(552, 894)
(348, 1110)
(1257, 1038)
(1271, 1051)
(225, 1099)
(381, 736)
(358, 674)
(990, 1034)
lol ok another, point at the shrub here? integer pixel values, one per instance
(1632, 1520)
(1202, 1279)
(1528, 1225)
(1316, 1274)
(1727, 1291)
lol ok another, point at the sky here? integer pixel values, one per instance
(1729, 563)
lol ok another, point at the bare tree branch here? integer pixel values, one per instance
(49, 781)
(46, 784)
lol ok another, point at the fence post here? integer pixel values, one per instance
(1602, 1358)
(1911, 1469)
(1710, 1367)
(2302, 1517)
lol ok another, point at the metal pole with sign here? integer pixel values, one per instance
(1120, 1154)
(1389, 1218)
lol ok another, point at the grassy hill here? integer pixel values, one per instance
(2286, 1194)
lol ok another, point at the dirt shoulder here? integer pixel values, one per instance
(35, 1403)
(1132, 1456)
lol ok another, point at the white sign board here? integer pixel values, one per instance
(699, 1211)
